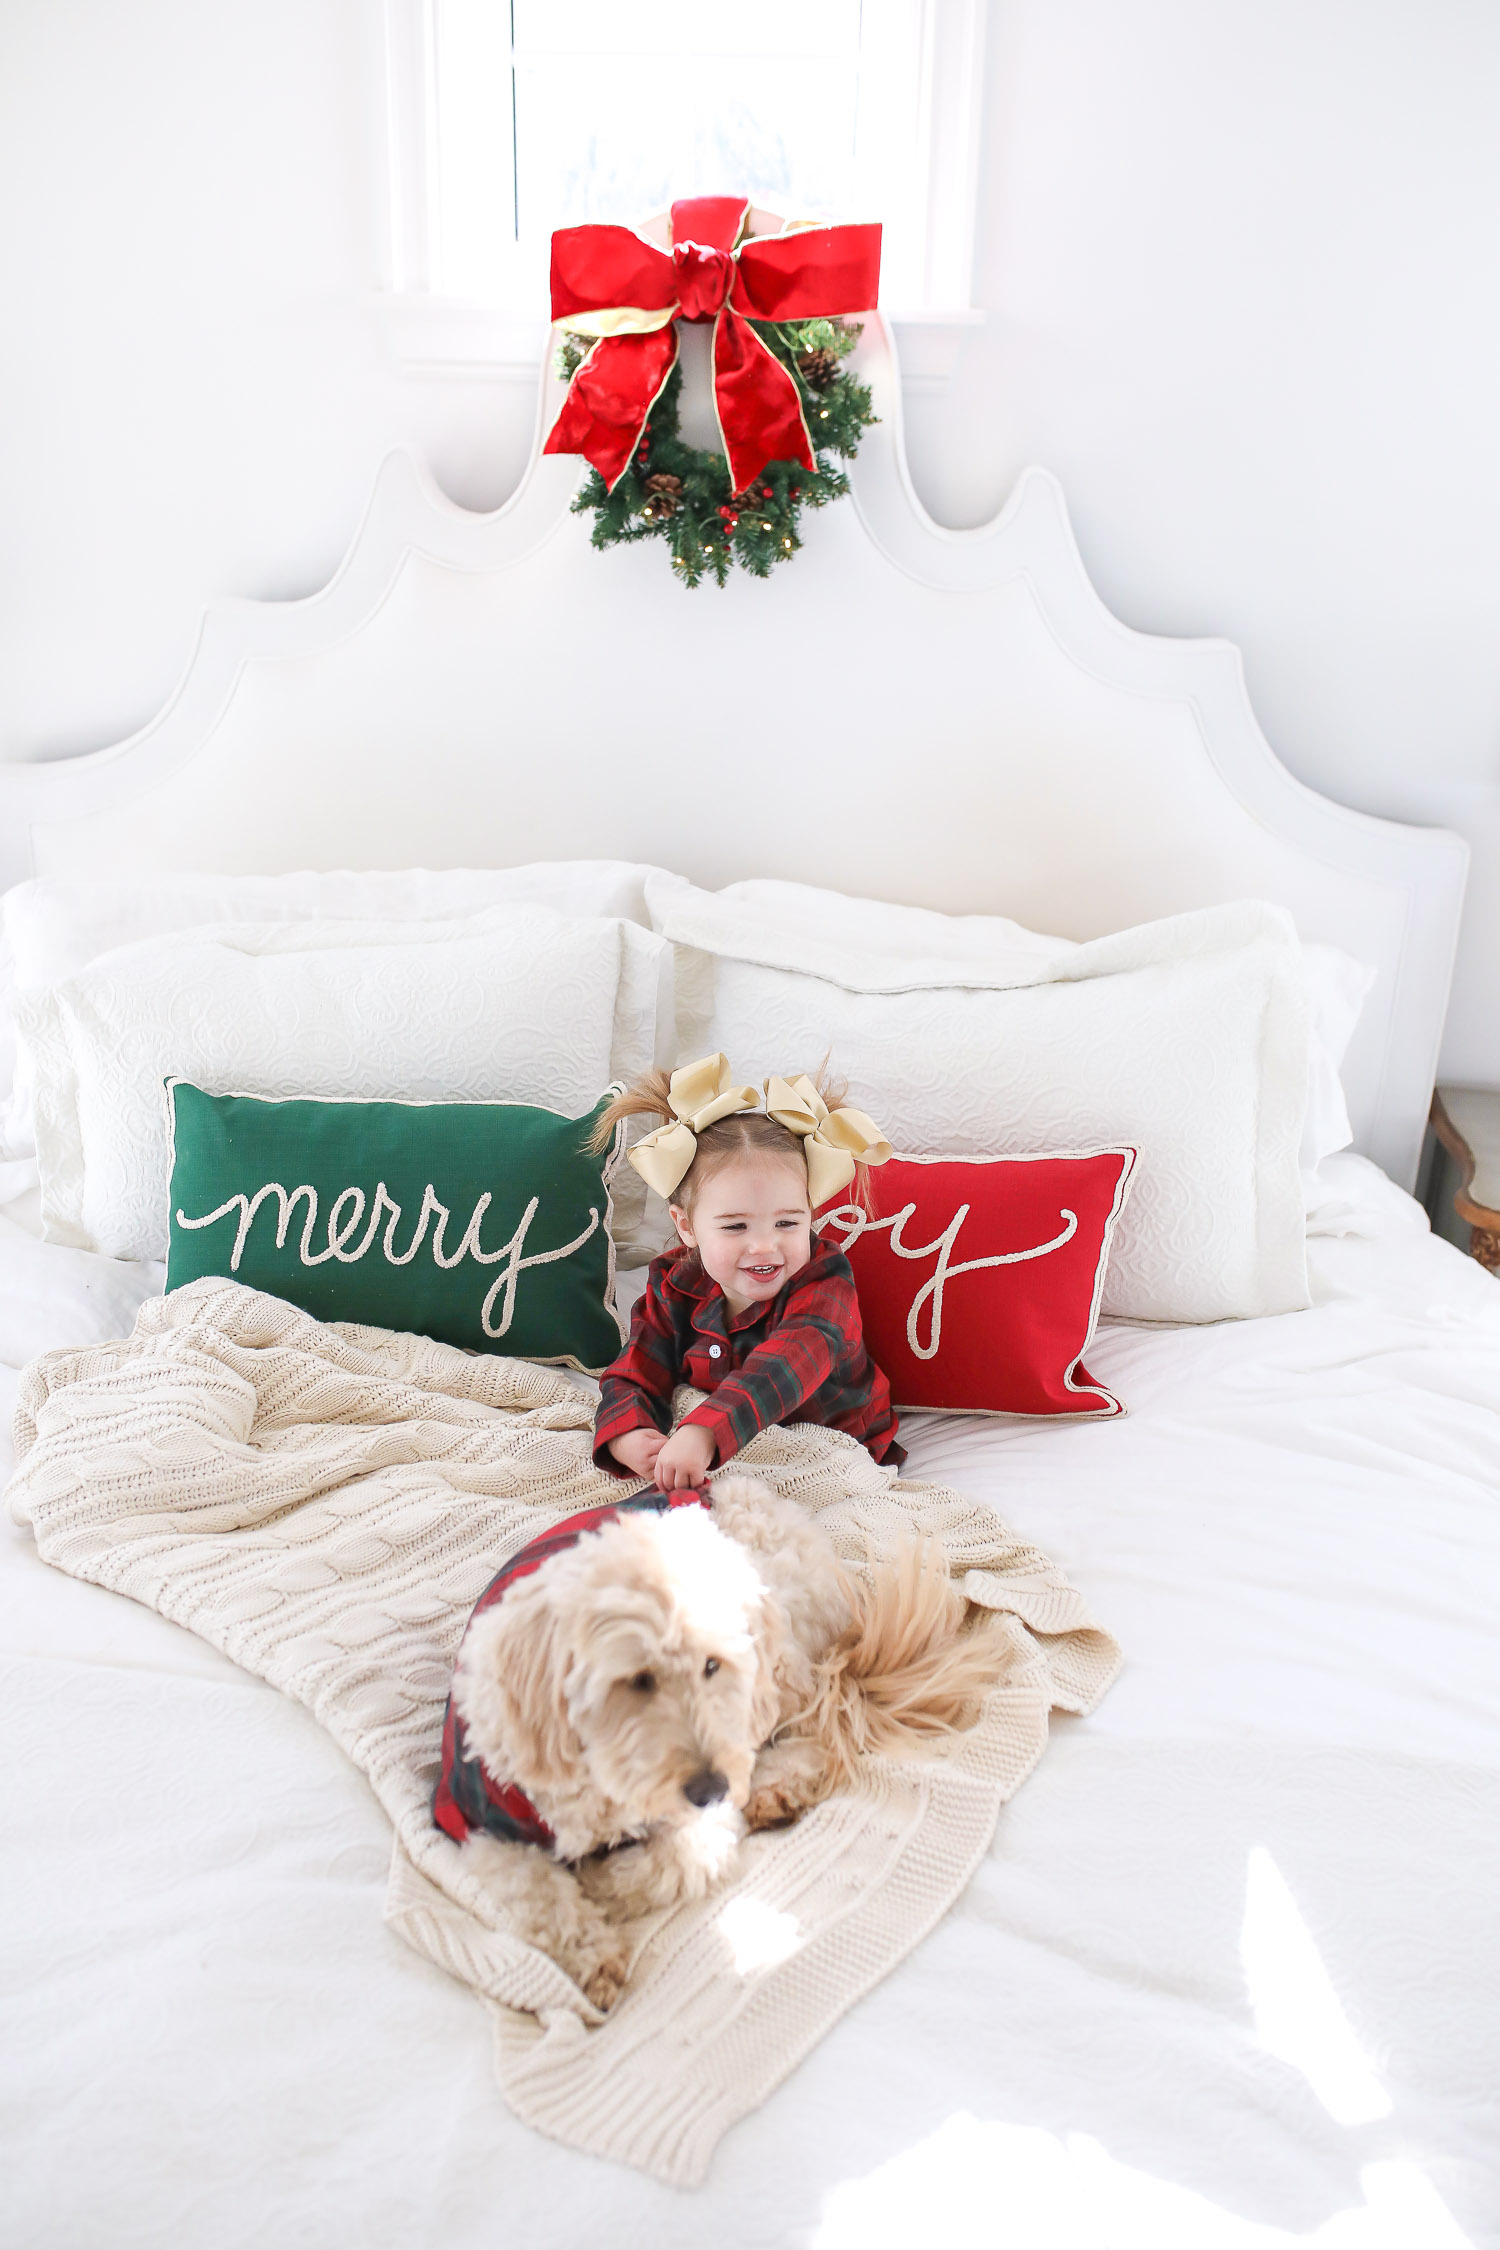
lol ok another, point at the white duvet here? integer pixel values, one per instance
(1228, 1977)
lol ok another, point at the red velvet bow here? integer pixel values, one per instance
(640, 292)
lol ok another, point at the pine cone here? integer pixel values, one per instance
(818, 368)
(665, 493)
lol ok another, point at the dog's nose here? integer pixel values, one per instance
(706, 1788)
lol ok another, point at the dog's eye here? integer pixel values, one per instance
(710, 1668)
(644, 1682)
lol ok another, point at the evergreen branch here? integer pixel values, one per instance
(682, 494)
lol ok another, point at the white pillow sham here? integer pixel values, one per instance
(1187, 1037)
(807, 927)
(55, 925)
(1337, 987)
(519, 1003)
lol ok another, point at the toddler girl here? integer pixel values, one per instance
(750, 1306)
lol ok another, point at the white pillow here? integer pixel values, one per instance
(517, 1004)
(55, 925)
(1337, 985)
(7, 1033)
(824, 926)
(1187, 1037)
(795, 926)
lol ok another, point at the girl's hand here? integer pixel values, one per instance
(685, 1459)
(637, 1451)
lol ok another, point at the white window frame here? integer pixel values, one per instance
(924, 56)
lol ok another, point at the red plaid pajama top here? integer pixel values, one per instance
(800, 1358)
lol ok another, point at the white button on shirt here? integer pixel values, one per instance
(713, 1351)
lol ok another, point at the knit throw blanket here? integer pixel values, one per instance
(325, 1503)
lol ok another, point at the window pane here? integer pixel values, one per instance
(622, 106)
(705, 27)
(619, 138)
(473, 180)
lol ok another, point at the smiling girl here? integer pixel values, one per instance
(749, 1305)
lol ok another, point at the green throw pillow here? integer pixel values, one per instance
(484, 1224)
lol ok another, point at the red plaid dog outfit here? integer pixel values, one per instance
(468, 1796)
(800, 1358)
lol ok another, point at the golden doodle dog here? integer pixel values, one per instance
(657, 1686)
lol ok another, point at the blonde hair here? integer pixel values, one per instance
(745, 1133)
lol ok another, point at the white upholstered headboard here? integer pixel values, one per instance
(946, 719)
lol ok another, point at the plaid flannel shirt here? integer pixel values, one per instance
(800, 1358)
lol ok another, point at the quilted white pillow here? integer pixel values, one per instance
(814, 925)
(1187, 1038)
(55, 925)
(519, 1003)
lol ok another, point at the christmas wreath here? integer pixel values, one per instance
(682, 494)
(780, 303)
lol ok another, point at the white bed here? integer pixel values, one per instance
(1228, 1974)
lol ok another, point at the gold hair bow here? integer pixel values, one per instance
(699, 1095)
(832, 1140)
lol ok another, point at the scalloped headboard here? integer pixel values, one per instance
(946, 719)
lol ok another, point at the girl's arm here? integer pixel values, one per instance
(803, 1350)
(636, 1389)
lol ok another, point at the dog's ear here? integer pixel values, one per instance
(510, 1688)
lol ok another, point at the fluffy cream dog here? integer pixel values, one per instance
(672, 1680)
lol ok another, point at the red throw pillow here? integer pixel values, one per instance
(980, 1277)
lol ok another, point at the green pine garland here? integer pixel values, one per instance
(681, 494)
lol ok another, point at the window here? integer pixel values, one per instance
(508, 118)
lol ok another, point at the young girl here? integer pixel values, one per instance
(750, 1306)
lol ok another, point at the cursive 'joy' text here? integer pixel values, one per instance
(852, 1222)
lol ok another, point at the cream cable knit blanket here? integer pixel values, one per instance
(324, 1504)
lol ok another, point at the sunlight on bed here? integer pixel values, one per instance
(760, 1936)
(1297, 2012)
(1033, 2190)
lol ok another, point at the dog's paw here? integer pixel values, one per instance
(790, 1777)
(606, 1980)
(776, 1804)
(705, 1850)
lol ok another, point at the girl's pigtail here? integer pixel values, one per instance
(830, 1087)
(650, 1096)
(834, 1091)
(861, 1191)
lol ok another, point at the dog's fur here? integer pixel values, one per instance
(727, 1652)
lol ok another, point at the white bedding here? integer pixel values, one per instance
(1260, 2006)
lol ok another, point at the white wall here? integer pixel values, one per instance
(1237, 259)
(197, 388)
(1241, 271)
